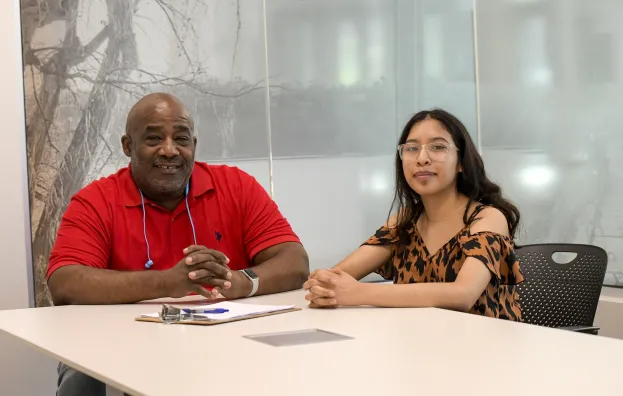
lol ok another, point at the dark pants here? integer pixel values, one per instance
(74, 383)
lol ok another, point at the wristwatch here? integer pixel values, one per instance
(255, 281)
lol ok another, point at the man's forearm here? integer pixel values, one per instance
(79, 284)
(286, 270)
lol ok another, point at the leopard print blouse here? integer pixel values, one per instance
(411, 263)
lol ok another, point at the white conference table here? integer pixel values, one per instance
(394, 352)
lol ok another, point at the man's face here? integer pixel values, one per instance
(161, 147)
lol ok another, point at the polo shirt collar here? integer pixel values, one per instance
(200, 183)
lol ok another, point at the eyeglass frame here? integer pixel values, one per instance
(425, 147)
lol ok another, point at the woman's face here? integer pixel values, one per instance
(430, 158)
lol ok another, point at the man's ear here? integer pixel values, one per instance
(195, 140)
(126, 144)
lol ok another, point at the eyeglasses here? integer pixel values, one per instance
(437, 151)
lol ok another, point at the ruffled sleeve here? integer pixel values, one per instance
(496, 252)
(382, 237)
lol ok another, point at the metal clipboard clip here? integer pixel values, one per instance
(170, 314)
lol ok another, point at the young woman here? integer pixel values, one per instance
(450, 243)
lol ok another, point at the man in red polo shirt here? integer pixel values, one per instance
(167, 226)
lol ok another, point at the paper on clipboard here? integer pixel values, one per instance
(235, 310)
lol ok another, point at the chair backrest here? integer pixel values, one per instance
(558, 295)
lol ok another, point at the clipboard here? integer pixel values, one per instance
(205, 321)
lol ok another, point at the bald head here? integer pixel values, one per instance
(159, 139)
(155, 105)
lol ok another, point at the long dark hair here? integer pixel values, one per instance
(471, 182)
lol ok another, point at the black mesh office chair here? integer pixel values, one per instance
(562, 295)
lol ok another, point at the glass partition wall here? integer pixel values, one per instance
(551, 90)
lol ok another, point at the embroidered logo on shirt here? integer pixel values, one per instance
(218, 236)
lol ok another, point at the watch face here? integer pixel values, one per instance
(251, 274)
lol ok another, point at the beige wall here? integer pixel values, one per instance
(23, 371)
(610, 313)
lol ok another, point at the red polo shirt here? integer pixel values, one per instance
(103, 224)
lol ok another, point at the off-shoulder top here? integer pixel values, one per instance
(412, 263)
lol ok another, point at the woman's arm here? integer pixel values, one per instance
(357, 265)
(365, 260)
(462, 294)
(371, 256)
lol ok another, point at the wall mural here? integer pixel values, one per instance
(86, 63)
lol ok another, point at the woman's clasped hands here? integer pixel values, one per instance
(330, 288)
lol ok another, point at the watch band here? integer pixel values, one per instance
(255, 281)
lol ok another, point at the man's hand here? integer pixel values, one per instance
(241, 286)
(201, 267)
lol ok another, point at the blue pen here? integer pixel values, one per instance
(206, 311)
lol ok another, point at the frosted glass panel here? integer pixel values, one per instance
(445, 53)
(233, 127)
(551, 94)
(333, 80)
(345, 77)
(334, 123)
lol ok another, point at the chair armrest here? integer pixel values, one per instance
(582, 329)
